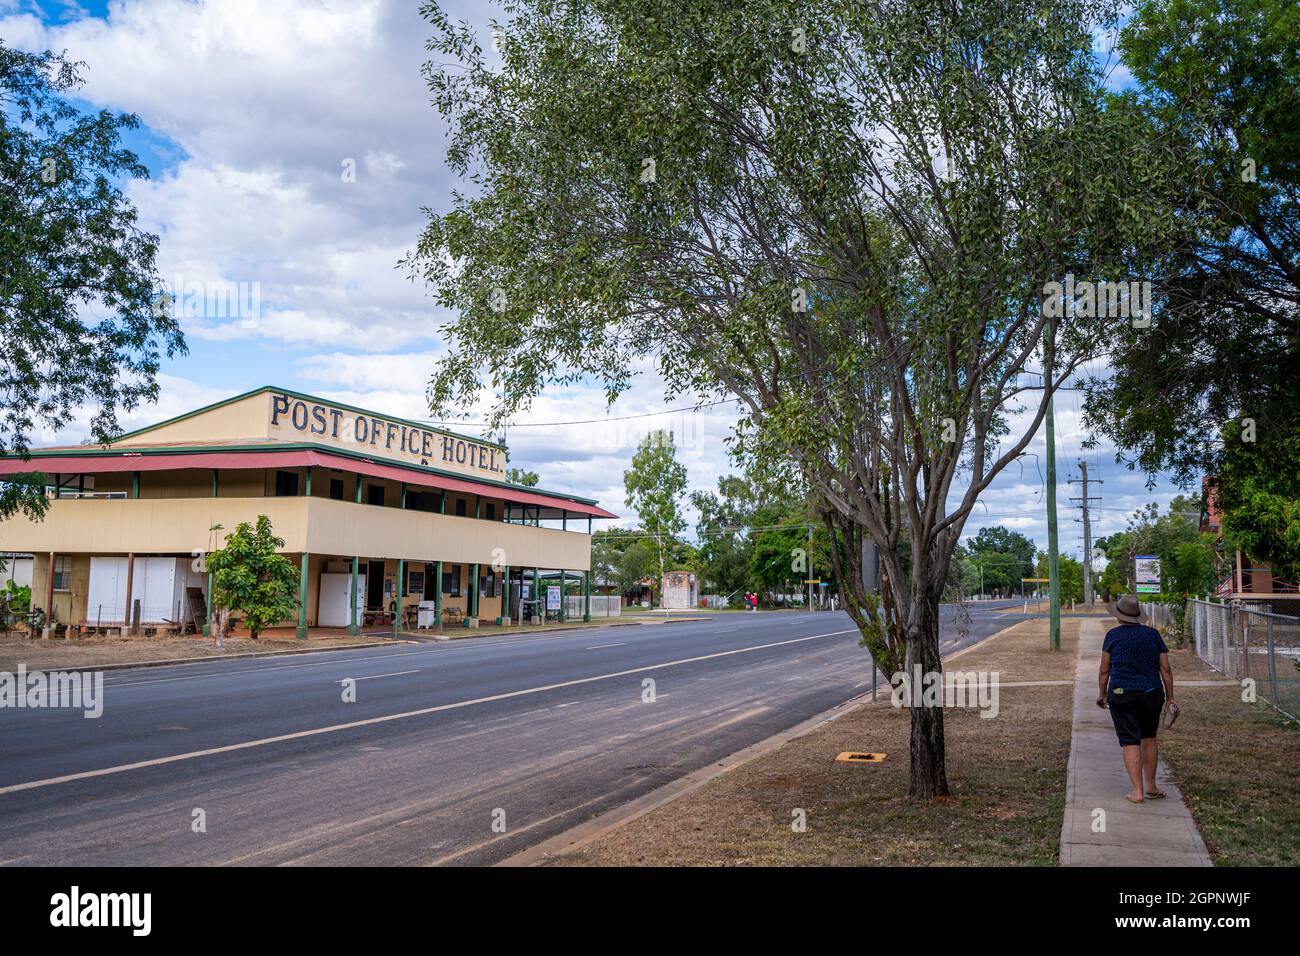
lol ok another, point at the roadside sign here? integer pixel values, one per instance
(552, 597)
(1147, 573)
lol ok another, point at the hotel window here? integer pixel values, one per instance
(336, 489)
(63, 573)
(490, 511)
(460, 507)
(286, 484)
(489, 584)
(451, 581)
(376, 494)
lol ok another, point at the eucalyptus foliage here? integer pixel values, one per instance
(841, 214)
(78, 323)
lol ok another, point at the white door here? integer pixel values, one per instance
(106, 592)
(335, 590)
(157, 591)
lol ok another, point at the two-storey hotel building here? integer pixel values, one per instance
(382, 515)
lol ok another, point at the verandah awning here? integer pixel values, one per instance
(126, 461)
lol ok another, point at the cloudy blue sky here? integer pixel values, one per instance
(251, 109)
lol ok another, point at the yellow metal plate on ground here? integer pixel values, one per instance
(854, 756)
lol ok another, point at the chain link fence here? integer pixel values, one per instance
(602, 605)
(1246, 640)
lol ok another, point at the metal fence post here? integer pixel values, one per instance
(1272, 665)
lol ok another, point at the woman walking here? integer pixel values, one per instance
(1135, 682)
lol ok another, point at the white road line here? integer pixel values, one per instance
(375, 676)
(333, 728)
(596, 647)
(259, 670)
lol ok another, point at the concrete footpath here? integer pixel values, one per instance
(1154, 833)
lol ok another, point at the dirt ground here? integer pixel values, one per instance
(1006, 774)
(89, 651)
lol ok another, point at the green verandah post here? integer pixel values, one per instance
(473, 597)
(302, 599)
(398, 594)
(353, 625)
(504, 616)
(537, 595)
(437, 597)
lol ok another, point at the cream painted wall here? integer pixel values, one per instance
(245, 420)
(250, 420)
(317, 525)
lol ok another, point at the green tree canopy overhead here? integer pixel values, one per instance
(1222, 79)
(845, 215)
(1211, 387)
(251, 579)
(81, 322)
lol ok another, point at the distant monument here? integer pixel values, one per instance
(681, 591)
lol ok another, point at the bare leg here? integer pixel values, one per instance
(1150, 757)
(1133, 764)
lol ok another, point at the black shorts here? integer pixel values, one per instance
(1136, 715)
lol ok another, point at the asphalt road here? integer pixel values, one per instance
(443, 741)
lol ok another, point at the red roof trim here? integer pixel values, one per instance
(90, 464)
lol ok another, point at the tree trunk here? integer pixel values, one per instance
(929, 777)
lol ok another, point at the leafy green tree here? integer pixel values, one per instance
(517, 476)
(1221, 79)
(622, 557)
(997, 572)
(656, 485)
(724, 544)
(251, 579)
(1260, 500)
(1188, 560)
(1071, 576)
(1000, 540)
(81, 322)
(844, 215)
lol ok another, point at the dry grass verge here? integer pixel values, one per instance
(1007, 776)
(1238, 765)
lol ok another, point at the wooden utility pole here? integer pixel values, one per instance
(1053, 555)
(1088, 596)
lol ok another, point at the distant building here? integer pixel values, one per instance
(1247, 578)
(680, 591)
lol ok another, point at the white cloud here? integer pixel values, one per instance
(268, 105)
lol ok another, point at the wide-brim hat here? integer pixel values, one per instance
(1126, 609)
